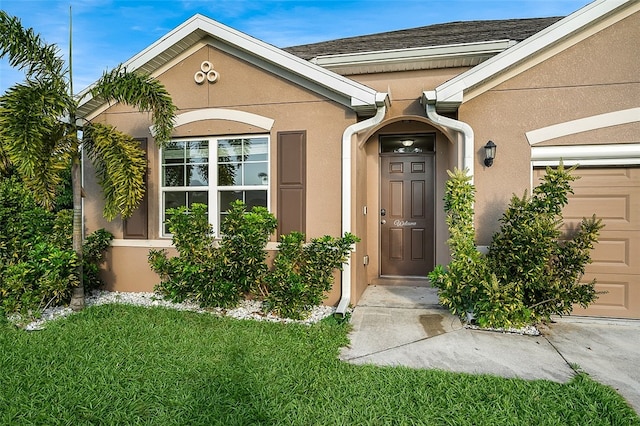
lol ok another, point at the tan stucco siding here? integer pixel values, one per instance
(596, 76)
(242, 87)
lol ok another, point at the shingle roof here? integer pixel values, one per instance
(432, 35)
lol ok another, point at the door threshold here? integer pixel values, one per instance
(402, 281)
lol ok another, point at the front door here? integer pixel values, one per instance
(407, 214)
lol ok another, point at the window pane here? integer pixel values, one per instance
(173, 176)
(172, 200)
(408, 144)
(256, 149)
(229, 150)
(255, 198)
(174, 152)
(200, 197)
(256, 174)
(198, 175)
(229, 174)
(198, 152)
(227, 197)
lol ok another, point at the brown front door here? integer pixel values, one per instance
(406, 215)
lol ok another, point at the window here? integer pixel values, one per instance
(408, 144)
(216, 172)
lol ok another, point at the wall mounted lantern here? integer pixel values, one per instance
(489, 153)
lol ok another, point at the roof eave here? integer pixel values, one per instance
(431, 57)
(452, 91)
(346, 91)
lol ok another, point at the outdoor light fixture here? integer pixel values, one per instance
(407, 142)
(489, 153)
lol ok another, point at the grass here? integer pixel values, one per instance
(117, 364)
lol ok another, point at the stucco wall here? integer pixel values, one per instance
(245, 87)
(595, 76)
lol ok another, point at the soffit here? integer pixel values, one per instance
(198, 29)
(422, 58)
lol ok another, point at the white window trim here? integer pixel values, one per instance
(213, 213)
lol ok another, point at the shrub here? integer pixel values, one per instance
(219, 273)
(244, 236)
(184, 276)
(93, 250)
(302, 274)
(531, 253)
(209, 273)
(45, 279)
(37, 263)
(531, 271)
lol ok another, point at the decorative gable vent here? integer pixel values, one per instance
(206, 73)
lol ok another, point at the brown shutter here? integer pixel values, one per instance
(135, 227)
(292, 153)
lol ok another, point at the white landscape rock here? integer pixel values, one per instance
(247, 309)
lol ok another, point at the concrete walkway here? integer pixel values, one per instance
(405, 325)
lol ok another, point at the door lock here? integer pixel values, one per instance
(383, 212)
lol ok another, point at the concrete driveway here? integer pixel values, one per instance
(405, 325)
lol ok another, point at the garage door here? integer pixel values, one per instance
(613, 194)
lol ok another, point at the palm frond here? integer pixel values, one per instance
(27, 51)
(143, 92)
(34, 138)
(120, 167)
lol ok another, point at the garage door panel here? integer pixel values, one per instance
(618, 301)
(616, 252)
(618, 209)
(604, 177)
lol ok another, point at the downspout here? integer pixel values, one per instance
(456, 125)
(353, 129)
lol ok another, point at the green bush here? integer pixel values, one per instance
(244, 236)
(531, 253)
(37, 263)
(532, 271)
(93, 250)
(214, 274)
(219, 273)
(303, 273)
(185, 276)
(45, 279)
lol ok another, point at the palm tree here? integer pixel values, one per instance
(39, 129)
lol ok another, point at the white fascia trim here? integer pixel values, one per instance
(528, 47)
(224, 114)
(412, 54)
(586, 155)
(594, 122)
(359, 93)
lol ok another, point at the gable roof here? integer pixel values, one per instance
(450, 94)
(460, 32)
(200, 29)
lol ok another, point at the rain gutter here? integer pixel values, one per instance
(381, 102)
(430, 102)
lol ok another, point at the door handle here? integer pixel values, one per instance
(383, 221)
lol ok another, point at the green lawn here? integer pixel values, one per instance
(117, 364)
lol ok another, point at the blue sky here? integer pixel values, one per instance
(108, 32)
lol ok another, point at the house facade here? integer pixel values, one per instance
(356, 135)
